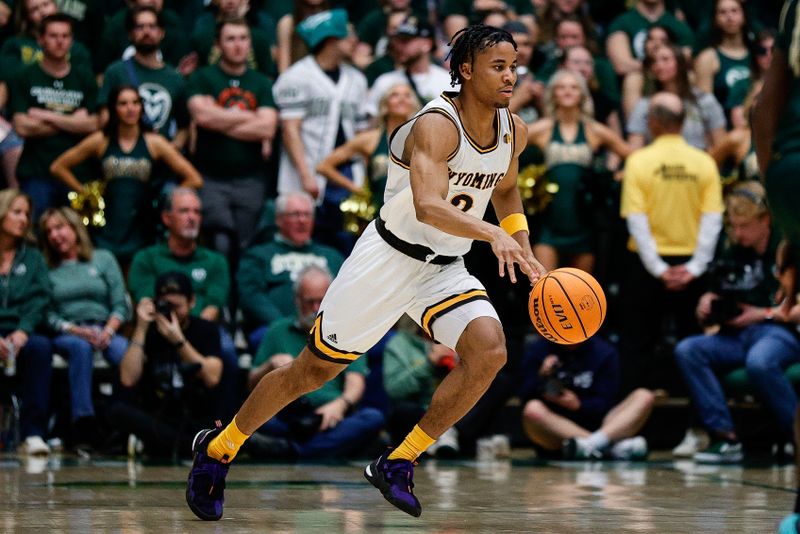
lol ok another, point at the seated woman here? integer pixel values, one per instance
(127, 153)
(88, 306)
(396, 106)
(569, 137)
(24, 290)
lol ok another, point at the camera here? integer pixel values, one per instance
(731, 280)
(165, 308)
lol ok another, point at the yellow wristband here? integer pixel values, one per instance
(514, 223)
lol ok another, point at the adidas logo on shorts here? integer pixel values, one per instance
(332, 338)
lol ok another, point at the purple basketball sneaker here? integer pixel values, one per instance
(395, 479)
(206, 485)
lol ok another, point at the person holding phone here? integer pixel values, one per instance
(571, 395)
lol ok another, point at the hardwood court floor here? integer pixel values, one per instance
(68, 495)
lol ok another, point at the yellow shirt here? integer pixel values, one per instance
(673, 184)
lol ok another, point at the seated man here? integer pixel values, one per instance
(207, 270)
(326, 422)
(173, 361)
(570, 393)
(741, 303)
(267, 271)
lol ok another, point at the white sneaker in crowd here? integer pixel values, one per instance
(34, 446)
(693, 442)
(634, 448)
(446, 446)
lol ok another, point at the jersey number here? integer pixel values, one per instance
(462, 202)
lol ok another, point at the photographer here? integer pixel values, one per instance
(570, 393)
(749, 333)
(173, 358)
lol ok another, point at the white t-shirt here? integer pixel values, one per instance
(429, 84)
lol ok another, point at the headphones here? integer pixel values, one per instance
(758, 200)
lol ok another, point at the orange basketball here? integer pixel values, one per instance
(567, 306)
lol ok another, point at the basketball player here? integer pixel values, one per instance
(776, 129)
(447, 162)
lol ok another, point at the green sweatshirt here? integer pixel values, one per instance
(24, 291)
(407, 373)
(267, 271)
(207, 269)
(87, 291)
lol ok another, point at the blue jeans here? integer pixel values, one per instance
(765, 349)
(353, 431)
(35, 370)
(80, 355)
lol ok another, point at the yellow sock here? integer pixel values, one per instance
(224, 447)
(416, 442)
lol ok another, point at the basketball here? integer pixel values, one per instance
(567, 306)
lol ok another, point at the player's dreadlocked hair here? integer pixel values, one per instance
(467, 42)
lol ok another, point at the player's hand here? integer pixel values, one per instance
(332, 413)
(509, 252)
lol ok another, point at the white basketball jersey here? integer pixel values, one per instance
(474, 173)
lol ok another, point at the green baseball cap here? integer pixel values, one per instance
(317, 28)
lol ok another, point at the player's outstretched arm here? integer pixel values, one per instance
(507, 201)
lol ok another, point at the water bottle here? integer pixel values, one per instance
(11, 359)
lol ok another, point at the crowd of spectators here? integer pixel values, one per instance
(224, 137)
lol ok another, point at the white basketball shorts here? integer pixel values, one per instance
(377, 284)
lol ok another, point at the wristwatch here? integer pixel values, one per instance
(769, 315)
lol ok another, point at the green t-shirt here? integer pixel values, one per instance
(25, 292)
(286, 336)
(115, 40)
(163, 93)
(259, 58)
(217, 154)
(87, 291)
(787, 137)
(207, 269)
(635, 26)
(466, 8)
(35, 88)
(382, 65)
(761, 283)
(19, 52)
(267, 271)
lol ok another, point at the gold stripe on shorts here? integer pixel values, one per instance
(320, 347)
(435, 311)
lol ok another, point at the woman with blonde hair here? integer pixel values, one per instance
(88, 306)
(24, 295)
(397, 105)
(569, 137)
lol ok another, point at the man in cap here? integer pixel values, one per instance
(173, 359)
(414, 44)
(320, 99)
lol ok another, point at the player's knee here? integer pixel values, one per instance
(312, 373)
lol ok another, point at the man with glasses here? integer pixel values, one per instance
(267, 271)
